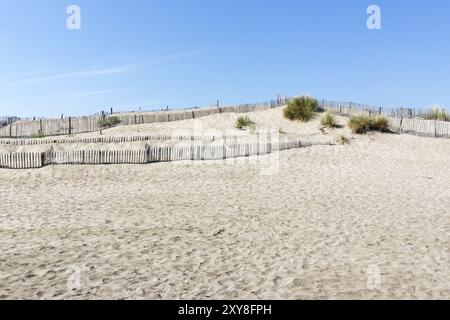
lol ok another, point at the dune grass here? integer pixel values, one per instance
(328, 120)
(363, 124)
(380, 124)
(437, 114)
(108, 122)
(244, 122)
(302, 108)
(38, 135)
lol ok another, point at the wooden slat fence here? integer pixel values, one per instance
(100, 157)
(149, 155)
(22, 160)
(112, 139)
(68, 126)
(74, 125)
(419, 127)
(414, 126)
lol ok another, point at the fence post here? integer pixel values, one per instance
(148, 149)
(42, 159)
(435, 128)
(257, 144)
(70, 126)
(40, 126)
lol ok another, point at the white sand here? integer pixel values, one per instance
(218, 230)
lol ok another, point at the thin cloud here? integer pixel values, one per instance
(105, 71)
(86, 73)
(91, 93)
(179, 55)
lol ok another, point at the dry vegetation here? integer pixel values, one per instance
(437, 114)
(301, 108)
(108, 122)
(328, 120)
(363, 124)
(244, 123)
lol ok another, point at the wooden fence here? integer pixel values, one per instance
(147, 155)
(4, 121)
(74, 125)
(49, 127)
(22, 160)
(419, 127)
(413, 126)
(44, 141)
(402, 119)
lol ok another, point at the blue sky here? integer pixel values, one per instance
(149, 54)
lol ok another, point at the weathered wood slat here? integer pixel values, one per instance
(74, 125)
(149, 155)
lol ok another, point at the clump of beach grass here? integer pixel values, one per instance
(436, 114)
(302, 108)
(328, 120)
(244, 123)
(359, 124)
(113, 121)
(108, 122)
(363, 124)
(38, 135)
(380, 123)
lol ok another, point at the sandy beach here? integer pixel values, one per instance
(365, 220)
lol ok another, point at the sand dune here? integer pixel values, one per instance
(269, 122)
(316, 227)
(215, 124)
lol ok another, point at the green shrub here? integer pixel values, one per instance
(113, 121)
(328, 120)
(301, 108)
(359, 124)
(437, 114)
(364, 124)
(108, 122)
(379, 124)
(38, 135)
(101, 123)
(244, 122)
